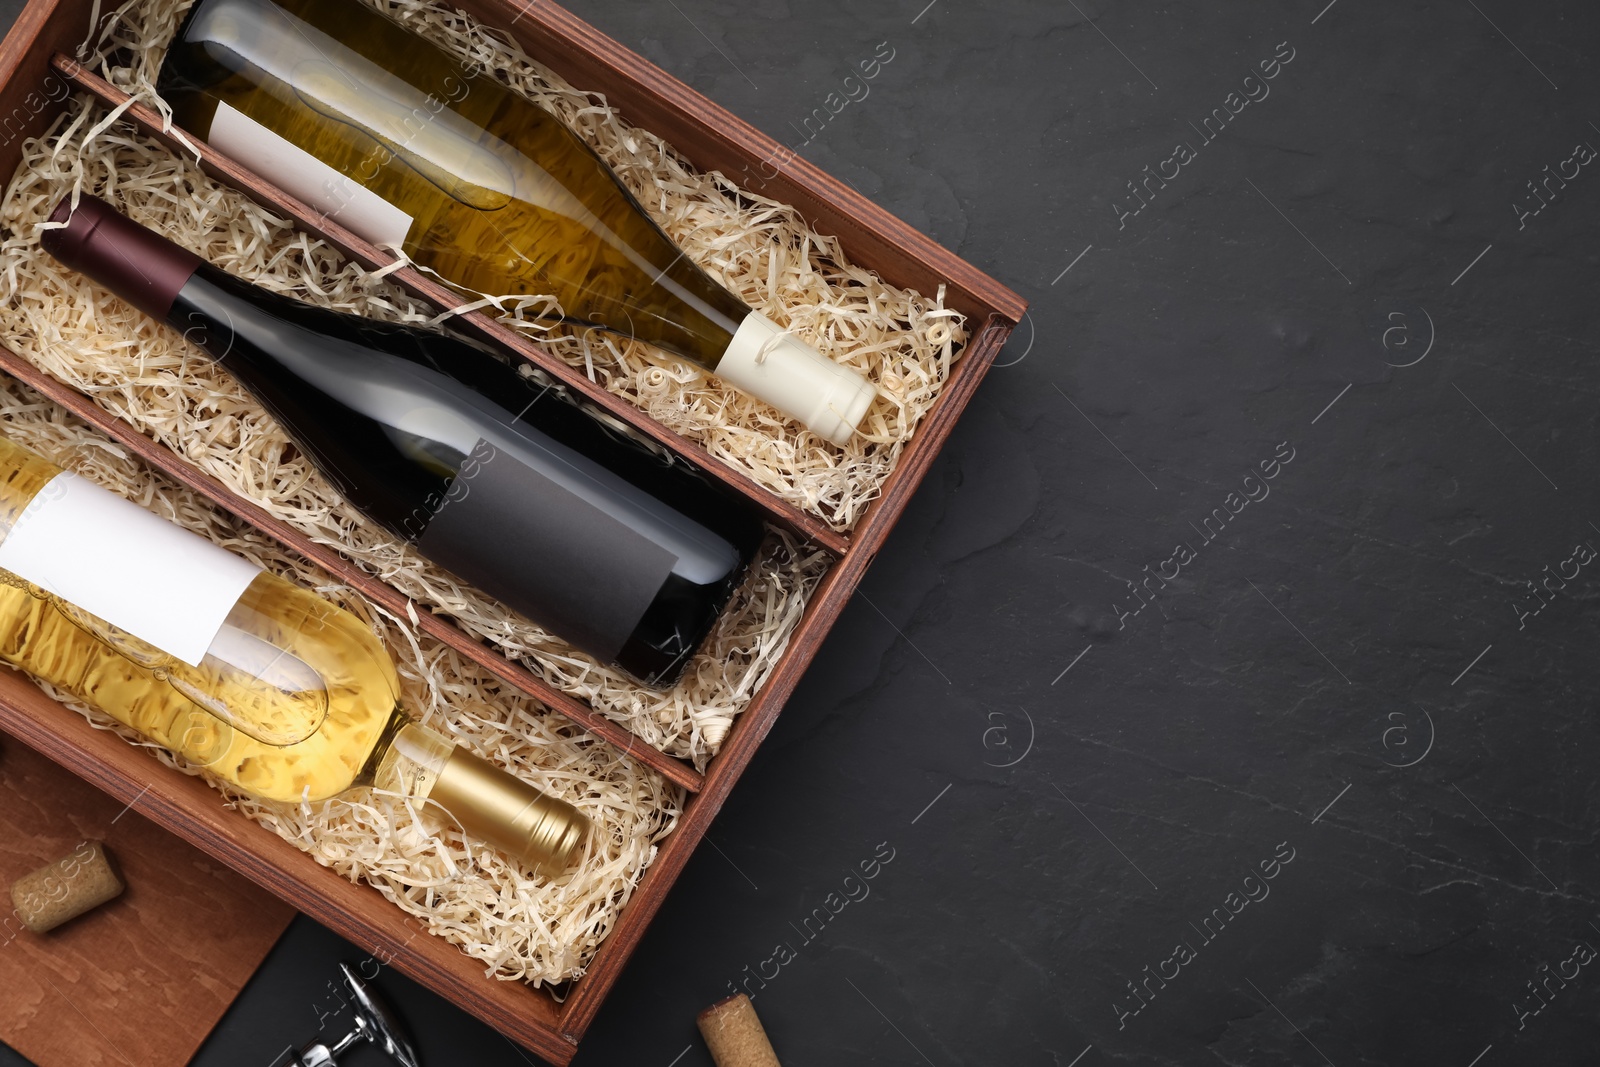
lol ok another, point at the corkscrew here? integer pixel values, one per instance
(376, 1024)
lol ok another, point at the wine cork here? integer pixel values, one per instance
(733, 1033)
(74, 884)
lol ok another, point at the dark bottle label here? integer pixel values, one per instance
(546, 551)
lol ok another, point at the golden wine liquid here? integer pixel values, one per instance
(503, 197)
(289, 703)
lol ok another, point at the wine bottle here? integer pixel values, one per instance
(504, 482)
(386, 133)
(267, 686)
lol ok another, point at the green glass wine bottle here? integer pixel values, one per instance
(391, 137)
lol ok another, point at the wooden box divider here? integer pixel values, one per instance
(34, 53)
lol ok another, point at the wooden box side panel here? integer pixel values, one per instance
(751, 728)
(31, 91)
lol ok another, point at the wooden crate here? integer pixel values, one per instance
(37, 73)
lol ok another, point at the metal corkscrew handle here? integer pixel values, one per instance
(376, 1024)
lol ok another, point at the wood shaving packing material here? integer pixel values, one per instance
(520, 927)
(761, 249)
(146, 374)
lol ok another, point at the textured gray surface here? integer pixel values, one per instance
(1070, 788)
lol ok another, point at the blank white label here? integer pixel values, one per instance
(307, 178)
(110, 557)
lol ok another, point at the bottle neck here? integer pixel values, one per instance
(485, 801)
(140, 266)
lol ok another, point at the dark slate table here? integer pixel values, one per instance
(1225, 696)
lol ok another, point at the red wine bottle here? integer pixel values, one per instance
(503, 481)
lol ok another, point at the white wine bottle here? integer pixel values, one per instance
(387, 134)
(267, 686)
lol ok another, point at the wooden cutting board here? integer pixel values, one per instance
(140, 981)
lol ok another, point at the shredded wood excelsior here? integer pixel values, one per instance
(145, 373)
